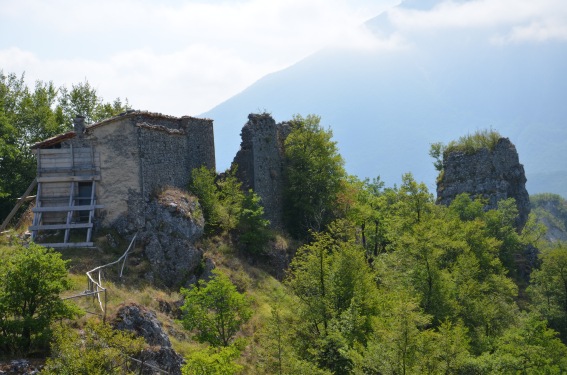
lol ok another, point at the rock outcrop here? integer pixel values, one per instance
(144, 323)
(168, 227)
(260, 163)
(491, 174)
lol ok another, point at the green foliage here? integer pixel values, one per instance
(549, 288)
(333, 282)
(31, 280)
(436, 152)
(227, 208)
(84, 100)
(203, 186)
(252, 226)
(314, 176)
(96, 349)
(215, 310)
(550, 209)
(472, 143)
(213, 361)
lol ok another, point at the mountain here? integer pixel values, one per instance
(386, 104)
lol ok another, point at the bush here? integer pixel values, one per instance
(31, 280)
(472, 143)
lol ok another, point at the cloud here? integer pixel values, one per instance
(506, 20)
(178, 57)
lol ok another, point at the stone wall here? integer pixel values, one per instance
(492, 174)
(260, 163)
(142, 152)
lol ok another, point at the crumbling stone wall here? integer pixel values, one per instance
(260, 163)
(492, 174)
(142, 152)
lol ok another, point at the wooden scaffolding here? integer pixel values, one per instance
(66, 195)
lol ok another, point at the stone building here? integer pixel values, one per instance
(491, 174)
(260, 163)
(95, 173)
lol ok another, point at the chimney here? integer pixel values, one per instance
(79, 125)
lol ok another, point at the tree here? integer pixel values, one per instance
(84, 100)
(95, 350)
(314, 176)
(203, 186)
(215, 310)
(529, 347)
(548, 288)
(213, 361)
(252, 226)
(337, 297)
(31, 280)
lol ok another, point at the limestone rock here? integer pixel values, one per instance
(492, 174)
(168, 227)
(144, 323)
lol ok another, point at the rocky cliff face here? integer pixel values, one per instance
(168, 227)
(260, 162)
(492, 174)
(144, 323)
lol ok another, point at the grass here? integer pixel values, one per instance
(472, 143)
(259, 286)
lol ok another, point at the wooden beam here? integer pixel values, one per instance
(18, 205)
(61, 226)
(68, 178)
(67, 208)
(28, 198)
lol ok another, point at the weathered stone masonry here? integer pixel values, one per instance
(139, 152)
(260, 162)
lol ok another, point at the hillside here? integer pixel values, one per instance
(387, 105)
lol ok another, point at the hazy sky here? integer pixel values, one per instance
(176, 56)
(182, 57)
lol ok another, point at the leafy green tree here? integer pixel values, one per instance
(314, 176)
(548, 288)
(396, 344)
(203, 186)
(96, 349)
(31, 280)
(215, 310)
(529, 347)
(231, 198)
(84, 100)
(334, 284)
(213, 361)
(252, 227)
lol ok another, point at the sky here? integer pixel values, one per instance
(177, 57)
(183, 57)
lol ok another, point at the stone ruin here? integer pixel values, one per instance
(491, 174)
(260, 163)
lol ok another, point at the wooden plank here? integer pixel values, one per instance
(69, 213)
(68, 178)
(61, 226)
(85, 167)
(68, 244)
(91, 213)
(67, 208)
(18, 205)
(53, 151)
(28, 198)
